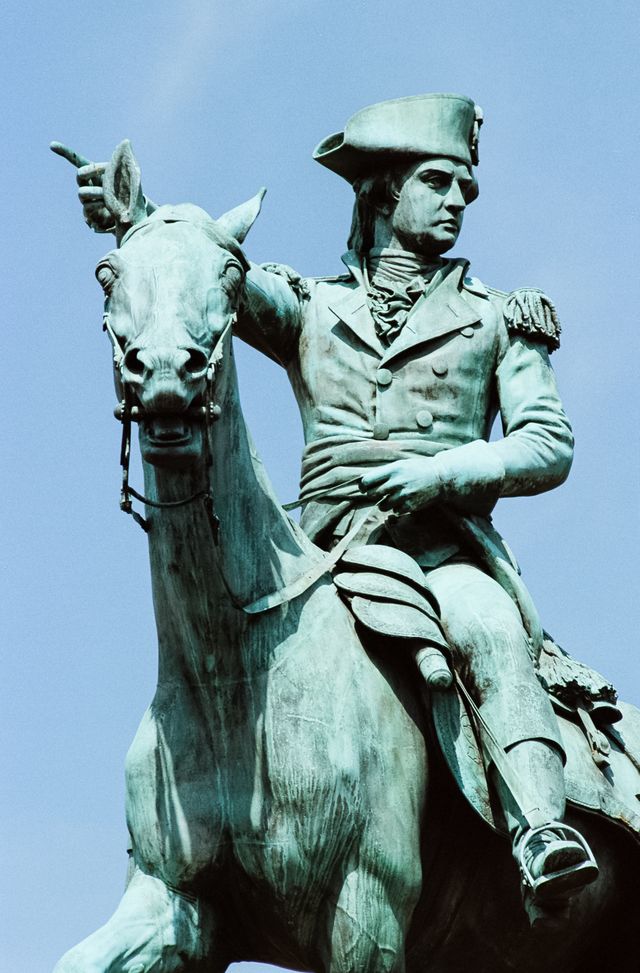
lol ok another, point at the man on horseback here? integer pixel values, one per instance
(400, 368)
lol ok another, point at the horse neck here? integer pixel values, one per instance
(201, 577)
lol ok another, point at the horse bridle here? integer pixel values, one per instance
(126, 413)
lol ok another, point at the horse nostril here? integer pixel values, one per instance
(196, 362)
(133, 363)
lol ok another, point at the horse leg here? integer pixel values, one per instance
(366, 933)
(153, 930)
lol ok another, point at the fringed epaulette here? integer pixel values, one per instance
(529, 312)
(296, 282)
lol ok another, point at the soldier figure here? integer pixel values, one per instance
(399, 368)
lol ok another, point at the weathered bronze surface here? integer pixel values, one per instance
(331, 773)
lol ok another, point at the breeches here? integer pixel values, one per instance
(491, 652)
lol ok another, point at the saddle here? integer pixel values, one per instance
(386, 593)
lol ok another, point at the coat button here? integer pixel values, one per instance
(384, 376)
(440, 367)
(424, 419)
(468, 332)
(381, 430)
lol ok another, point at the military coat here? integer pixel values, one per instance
(458, 362)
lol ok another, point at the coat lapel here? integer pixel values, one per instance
(434, 315)
(438, 313)
(353, 310)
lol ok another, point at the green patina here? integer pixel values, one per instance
(286, 797)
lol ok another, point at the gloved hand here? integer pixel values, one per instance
(462, 475)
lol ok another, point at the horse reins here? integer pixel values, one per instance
(127, 413)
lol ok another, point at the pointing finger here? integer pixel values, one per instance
(74, 158)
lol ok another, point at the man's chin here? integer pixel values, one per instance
(445, 246)
(433, 247)
(444, 241)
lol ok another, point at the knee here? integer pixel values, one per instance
(484, 629)
(483, 617)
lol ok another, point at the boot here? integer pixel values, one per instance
(555, 861)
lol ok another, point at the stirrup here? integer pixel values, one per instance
(565, 881)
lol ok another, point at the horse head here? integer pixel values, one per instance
(171, 295)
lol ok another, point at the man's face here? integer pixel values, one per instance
(431, 202)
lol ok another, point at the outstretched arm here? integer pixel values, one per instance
(270, 312)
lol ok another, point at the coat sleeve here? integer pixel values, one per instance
(536, 450)
(270, 312)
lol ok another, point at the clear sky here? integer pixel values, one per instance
(220, 97)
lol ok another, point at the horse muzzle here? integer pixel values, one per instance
(171, 416)
(171, 439)
(168, 392)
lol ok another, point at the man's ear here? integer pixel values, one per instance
(237, 222)
(122, 188)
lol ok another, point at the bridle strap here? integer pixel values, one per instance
(318, 494)
(167, 504)
(127, 491)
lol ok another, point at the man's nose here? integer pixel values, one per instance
(455, 199)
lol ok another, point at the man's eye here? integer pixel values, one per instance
(436, 181)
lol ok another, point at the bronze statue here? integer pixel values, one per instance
(277, 785)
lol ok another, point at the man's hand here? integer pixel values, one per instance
(89, 179)
(404, 486)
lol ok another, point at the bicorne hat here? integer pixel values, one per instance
(422, 125)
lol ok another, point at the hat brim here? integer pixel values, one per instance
(355, 163)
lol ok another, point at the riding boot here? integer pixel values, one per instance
(555, 861)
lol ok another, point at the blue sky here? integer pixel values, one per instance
(220, 98)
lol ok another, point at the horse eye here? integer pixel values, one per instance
(106, 277)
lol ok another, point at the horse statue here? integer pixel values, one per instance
(287, 796)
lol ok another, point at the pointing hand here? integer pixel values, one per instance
(89, 179)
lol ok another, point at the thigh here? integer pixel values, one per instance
(482, 623)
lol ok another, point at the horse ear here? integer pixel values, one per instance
(237, 222)
(122, 187)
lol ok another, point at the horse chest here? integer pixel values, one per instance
(272, 809)
(176, 823)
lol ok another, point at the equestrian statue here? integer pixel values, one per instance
(364, 753)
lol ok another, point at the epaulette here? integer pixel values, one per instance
(296, 282)
(529, 312)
